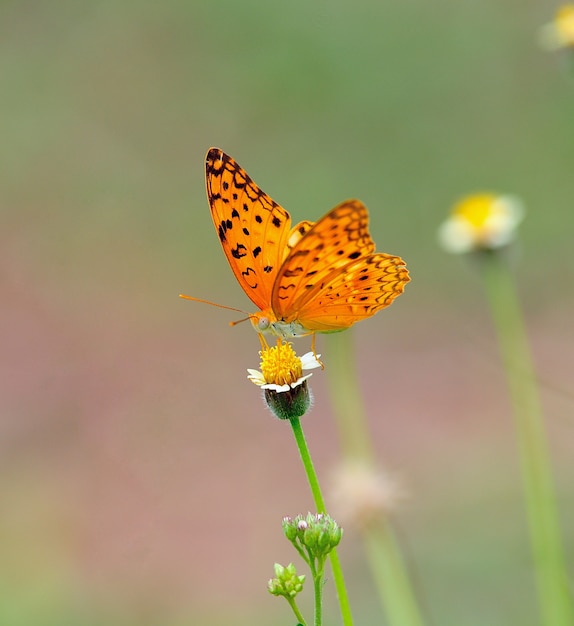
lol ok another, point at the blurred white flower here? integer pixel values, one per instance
(362, 495)
(483, 221)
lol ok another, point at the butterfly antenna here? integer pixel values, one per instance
(221, 306)
(239, 321)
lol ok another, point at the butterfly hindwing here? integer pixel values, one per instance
(332, 278)
(252, 228)
(363, 288)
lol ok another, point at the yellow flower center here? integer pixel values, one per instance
(565, 22)
(280, 365)
(475, 209)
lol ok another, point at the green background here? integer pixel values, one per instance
(141, 479)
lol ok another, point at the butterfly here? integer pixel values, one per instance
(313, 277)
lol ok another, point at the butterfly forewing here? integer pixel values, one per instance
(252, 228)
(338, 239)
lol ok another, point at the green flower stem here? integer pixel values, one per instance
(295, 610)
(381, 547)
(551, 573)
(318, 589)
(320, 504)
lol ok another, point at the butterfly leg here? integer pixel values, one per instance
(263, 341)
(315, 352)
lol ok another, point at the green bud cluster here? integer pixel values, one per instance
(315, 534)
(286, 582)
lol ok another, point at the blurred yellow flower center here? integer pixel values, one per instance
(565, 21)
(475, 209)
(280, 365)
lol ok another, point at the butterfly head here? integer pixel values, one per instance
(263, 321)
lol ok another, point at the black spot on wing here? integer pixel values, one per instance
(239, 251)
(296, 271)
(238, 180)
(247, 275)
(223, 227)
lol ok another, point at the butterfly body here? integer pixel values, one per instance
(266, 322)
(313, 277)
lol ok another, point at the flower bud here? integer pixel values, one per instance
(286, 582)
(318, 533)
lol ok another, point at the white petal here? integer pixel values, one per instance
(255, 376)
(549, 37)
(456, 235)
(500, 227)
(301, 380)
(310, 361)
(556, 35)
(277, 388)
(512, 208)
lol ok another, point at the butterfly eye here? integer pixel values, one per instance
(263, 323)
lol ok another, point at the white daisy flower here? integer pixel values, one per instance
(483, 221)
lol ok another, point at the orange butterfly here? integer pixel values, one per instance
(314, 277)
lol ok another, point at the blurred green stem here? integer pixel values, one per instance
(551, 574)
(320, 504)
(390, 574)
(347, 401)
(381, 547)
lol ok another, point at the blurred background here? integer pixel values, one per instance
(141, 479)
